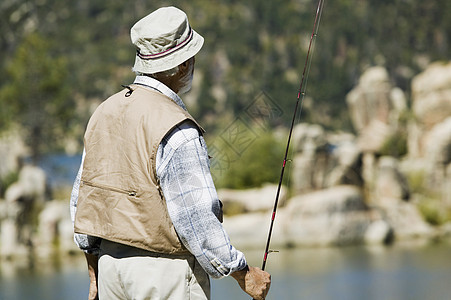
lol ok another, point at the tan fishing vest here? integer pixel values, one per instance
(120, 198)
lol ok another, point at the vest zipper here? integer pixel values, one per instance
(110, 188)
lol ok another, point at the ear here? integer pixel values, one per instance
(185, 63)
(184, 66)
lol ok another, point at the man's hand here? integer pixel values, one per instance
(93, 271)
(253, 281)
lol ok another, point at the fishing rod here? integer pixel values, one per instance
(300, 97)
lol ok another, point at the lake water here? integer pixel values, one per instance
(383, 273)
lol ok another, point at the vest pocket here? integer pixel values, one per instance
(131, 193)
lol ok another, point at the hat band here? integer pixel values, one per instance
(168, 51)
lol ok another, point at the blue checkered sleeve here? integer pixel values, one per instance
(192, 201)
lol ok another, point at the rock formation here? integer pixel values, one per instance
(345, 190)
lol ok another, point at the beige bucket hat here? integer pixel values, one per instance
(164, 39)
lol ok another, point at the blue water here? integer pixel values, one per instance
(67, 285)
(61, 169)
(393, 273)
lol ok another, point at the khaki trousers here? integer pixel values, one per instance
(134, 274)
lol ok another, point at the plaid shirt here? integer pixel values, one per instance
(182, 166)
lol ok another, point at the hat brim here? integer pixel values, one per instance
(155, 65)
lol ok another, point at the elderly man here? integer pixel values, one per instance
(144, 206)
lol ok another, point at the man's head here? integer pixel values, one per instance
(166, 46)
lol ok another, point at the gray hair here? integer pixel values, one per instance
(166, 73)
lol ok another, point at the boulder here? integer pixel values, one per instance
(251, 200)
(54, 225)
(3, 210)
(374, 98)
(66, 235)
(347, 169)
(9, 230)
(324, 160)
(374, 107)
(431, 94)
(393, 197)
(22, 199)
(434, 163)
(30, 186)
(369, 100)
(12, 149)
(373, 136)
(431, 105)
(438, 144)
(250, 230)
(406, 221)
(398, 101)
(307, 137)
(391, 184)
(310, 161)
(378, 232)
(8, 240)
(438, 157)
(335, 216)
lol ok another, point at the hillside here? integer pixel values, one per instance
(60, 58)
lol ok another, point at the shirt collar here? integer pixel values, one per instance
(161, 87)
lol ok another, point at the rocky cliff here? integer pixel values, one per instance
(389, 181)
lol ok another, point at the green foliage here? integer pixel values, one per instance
(6, 181)
(395, 145)
(416, 181)
(255, 165)
(433, 210)
(428, 201)
(35, 94)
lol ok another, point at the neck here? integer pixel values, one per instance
(170, 81)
